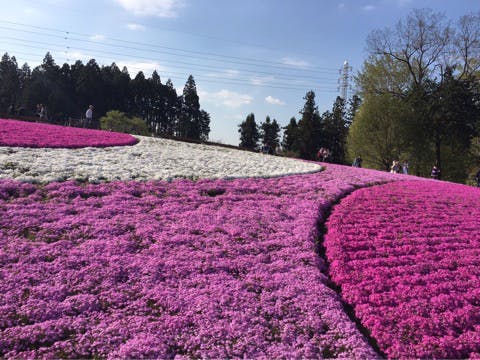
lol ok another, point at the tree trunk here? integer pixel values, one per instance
(438, 158)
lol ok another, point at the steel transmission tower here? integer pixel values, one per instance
(344, 80)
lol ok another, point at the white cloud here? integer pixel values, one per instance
(226, 97)
(30, 11)
(274, 101)
(147, 67)
(295, 62)
(369, 8)
(261, 80)
(97, 37)
(159, 8)
(229, 74)
(136, 27)
(403, 3)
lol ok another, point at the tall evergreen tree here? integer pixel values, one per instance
(172, 109)
(9, 83)
(353, 106)
(335, 131)
(204, 125)
(270, 133)
(309, 128)
(249, 134)
(290, 136)
(189, 119)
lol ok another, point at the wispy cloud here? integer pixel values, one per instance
(274, 101)
(261, 80)
(97, 37)
(136, 27)
(158, 8)
(368, 8)
(147, 68)
(229, 74)
(225, 97)
(295, 62)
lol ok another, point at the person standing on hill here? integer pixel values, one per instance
(435, 172)
(89, 117)
(357, 162)
(477, 178)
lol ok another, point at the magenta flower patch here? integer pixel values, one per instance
(407, 257)
(39, 135)
(213, 269)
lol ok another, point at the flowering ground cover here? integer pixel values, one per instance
(212, 268)
(150, 159)
(38, 135)
(407, 258)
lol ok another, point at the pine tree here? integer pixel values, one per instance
(335, 131)
(204, 125)
(172, 109)
(290, 136)
(9, 83)
(269, 133)
(353, 106)
(309, 128)
(249, 134)
(190, 117)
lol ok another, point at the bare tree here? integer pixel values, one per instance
(467, 44)
(421, 43)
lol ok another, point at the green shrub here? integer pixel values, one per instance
(115, 120)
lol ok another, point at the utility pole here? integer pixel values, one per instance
(344, 80)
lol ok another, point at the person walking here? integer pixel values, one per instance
(405, 167)
(357, 162)
(89, 117)
(435, 172)
(395, 168)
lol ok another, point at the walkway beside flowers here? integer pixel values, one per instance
(212, 268)
(39, 135)
(411, 268)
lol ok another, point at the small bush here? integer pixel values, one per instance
(117, 121)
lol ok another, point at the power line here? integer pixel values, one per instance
(67, 49)
(202, 79)
(247, 61)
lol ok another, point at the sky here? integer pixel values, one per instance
(248, 56)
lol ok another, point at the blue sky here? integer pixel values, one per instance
(258, 56)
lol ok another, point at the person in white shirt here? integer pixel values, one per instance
(89, 117)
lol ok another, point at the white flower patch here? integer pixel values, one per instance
(150, 159)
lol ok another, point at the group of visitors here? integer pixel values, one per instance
(323, 154)
(399, 168)
(42, 112)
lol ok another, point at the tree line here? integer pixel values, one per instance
(418, 100)
(421, 91)
(66, 92)
(303, 138)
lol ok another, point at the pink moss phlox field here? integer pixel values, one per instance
(407, 257)
(38, 135)
(211, 269)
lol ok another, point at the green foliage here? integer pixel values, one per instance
(249, 134)
(270, 133)
(290, 138)
(68, 90)
(118, 121)
(309, 128)
(376, 133)
(335, 131)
